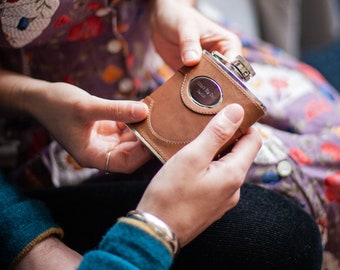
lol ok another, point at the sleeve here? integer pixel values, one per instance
(129, 245)
(23, 224)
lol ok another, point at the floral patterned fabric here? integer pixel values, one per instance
(104, 48)
(300, 156)
(99, 46)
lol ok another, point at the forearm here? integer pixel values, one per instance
(129, 244)
(18, 91)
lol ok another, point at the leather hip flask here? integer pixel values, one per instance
(181, 107)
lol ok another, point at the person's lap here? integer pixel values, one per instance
(264, 231)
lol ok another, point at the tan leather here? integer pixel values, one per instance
(175, 120)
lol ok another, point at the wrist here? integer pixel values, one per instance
(51, 253)
(133, 241)
(34, 95)
(159, 5)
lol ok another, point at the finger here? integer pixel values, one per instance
(221, 40)
(190, 46)
(127, 157)
(107, 128)
(246, 149)
(237, 162)
(219, 130)
(117, 110)
(232, 46)
(128, 136)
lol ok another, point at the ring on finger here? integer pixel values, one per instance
(107, 162)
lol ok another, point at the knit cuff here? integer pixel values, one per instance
(143, 226)
(22, 226)
(128, 246)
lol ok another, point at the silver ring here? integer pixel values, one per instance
(107, 162)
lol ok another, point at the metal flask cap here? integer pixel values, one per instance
(240, 66)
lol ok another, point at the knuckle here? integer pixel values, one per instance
(233, 37)
(236, 176)
(118, 110)
(128, 169)
(124, 163)
(222, 133)
(235, 199)
(239, 180)
(188, 39)
(79, 109)
(258, 141)
(186, 158)
(237, 183)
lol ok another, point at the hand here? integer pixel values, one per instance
(191, 191)
(180, 33)
(88, 127)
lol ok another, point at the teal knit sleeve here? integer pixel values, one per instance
(23, 223)
(128, 247)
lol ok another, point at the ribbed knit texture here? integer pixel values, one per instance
(126, 246)
(23, 223)
(264, 231)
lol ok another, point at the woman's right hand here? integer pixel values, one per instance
(192, 190)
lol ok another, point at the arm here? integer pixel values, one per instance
(86, 126)
(23, 225)
(171, 197)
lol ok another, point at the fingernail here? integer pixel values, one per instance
(190, 56)
(139, 110)
(233, 112)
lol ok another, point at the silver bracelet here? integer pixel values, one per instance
(158, 226)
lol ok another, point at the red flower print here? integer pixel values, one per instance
(311, 72)
(94, 6)
(279, 83)
(316, 107)
(299, 156)
(90, 28)
(322, 222)
(130, 61)
(332, 187)
(332, 150)
(12, 1)
(69, 79)
(62, 20)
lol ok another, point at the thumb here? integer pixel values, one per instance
(190, 45)
(218, 131)
(117, 110)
